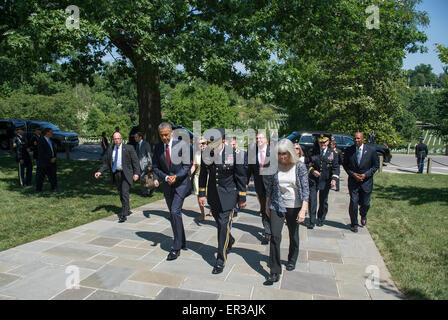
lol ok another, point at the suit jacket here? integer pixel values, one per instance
(327, 165)
(44, 153)
(369, 165)
(129, 162)
(144, 156)
(181, 170)
(260, 181)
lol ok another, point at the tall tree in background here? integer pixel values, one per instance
(205, 37)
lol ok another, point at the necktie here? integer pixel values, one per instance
(168, 157)
(114, 168)
(359, 155)
(262, 158)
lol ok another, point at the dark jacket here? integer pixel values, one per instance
(327, 165)
(369, 165)
(181, 170)
(254, 169)
(45, 153)
(129, 162)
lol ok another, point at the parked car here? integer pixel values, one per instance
(135, 129)
(60, 138)
(307, 140)
(8, 131)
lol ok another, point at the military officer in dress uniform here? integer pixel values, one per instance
(323, 169)
(33, 146)
(226, 175)
(23, 157)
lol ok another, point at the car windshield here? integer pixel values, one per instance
(338, 139)
(306, 139)
(49, 125)
(349, 141)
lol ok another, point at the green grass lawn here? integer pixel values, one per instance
(26, 216)
(409, 222)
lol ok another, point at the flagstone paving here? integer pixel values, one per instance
(110, 261)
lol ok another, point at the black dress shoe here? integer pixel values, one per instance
(229, 247)
(122, 219)
(320, 223)
(218, 268)
(173, 255)
(273, 277)
(354, 229)
(310, 226)
(184, 247)
(290, 267)
(363, 221)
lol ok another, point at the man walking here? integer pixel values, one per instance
(360, 162)
(143, 150)
(323, 171)
(262, 152)
(46, 161)
(421, 152)
(172, 162)
(223, 179)
(123, 164)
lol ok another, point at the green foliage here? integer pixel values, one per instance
(422, 76)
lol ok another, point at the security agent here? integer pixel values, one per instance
(421, 152)
(226, 177)
(323, 169)
(23, 158)
(33, 146)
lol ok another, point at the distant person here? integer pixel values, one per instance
(46, 161)
(241, 158)
(122, 162)
(104, 144)
(33, 146)
(338, 152)
(360, 162)
(147, 177)
(23, 157)
(372, 138)
(195, 170)
(421, 152)
(299, 152)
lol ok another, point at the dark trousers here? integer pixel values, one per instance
(49, 172)
(358, 197)
(223, 224)
(323, 202)
(123, 188)
(175, 203)
(420, 164)
(25, 172)
(277, 222)
(264, 217)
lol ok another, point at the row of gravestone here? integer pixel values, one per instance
(405, 150)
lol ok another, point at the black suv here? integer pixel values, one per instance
(59, 139)
(307, 140)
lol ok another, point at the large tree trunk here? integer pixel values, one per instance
(148, 92)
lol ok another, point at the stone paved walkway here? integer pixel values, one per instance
(128, 260)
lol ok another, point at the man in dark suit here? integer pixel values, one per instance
(172, 161)
(46, 161)
(242, 155)
(262, 152)
(323, 169)
(222, 181)
(360, 162)
(143, 149)
(122, 161)
(421, 152)
(33, 146)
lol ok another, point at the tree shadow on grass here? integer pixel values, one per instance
(413, 194)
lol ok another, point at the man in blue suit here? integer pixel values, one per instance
(172, 161)
(360, 162)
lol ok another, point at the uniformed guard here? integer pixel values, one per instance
(323, 169)
(33, 146)
(421, 152)
(225, 173)
(23, 158)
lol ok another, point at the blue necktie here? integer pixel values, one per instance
(114, 168)
(359, 155)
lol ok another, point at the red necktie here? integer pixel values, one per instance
(168, 158)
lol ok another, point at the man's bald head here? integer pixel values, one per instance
(117, 138)
(359, 138)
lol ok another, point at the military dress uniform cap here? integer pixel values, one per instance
(20, 127)
(322, 138)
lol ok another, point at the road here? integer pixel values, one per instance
(404, 163)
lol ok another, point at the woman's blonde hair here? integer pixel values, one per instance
(297, 145)
(285, 145)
